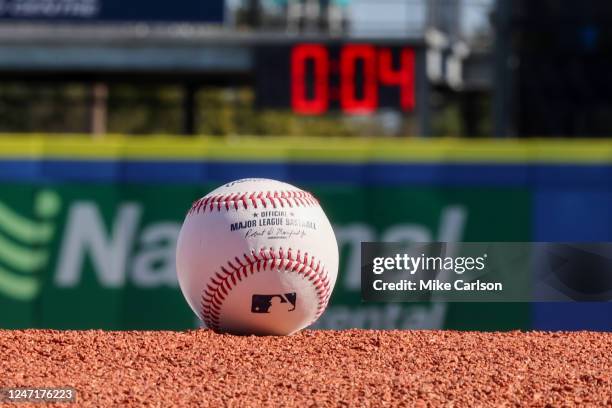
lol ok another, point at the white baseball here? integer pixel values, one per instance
(257, 256)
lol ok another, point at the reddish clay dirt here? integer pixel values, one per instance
(313, 368)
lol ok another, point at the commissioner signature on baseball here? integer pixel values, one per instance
(276, 233)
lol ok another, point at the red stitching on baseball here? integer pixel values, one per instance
(273, 198)
(218, 289)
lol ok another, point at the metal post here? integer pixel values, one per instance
(502, 84)
(423, 107)
(99, 115)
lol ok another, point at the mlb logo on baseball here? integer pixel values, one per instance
(253, 250)
(263, 303)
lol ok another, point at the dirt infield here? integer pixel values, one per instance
(313, 368)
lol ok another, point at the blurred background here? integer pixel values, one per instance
(412, 120)
(482, 68)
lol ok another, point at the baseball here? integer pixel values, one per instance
(257, 256)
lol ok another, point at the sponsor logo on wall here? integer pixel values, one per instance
(25, 245)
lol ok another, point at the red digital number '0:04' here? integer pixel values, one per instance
(377, 67)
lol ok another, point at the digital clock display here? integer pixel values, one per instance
(356, 78)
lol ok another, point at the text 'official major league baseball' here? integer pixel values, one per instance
(274, 224)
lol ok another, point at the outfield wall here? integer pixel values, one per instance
(87, 227)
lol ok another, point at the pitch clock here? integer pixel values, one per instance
(355, 78)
